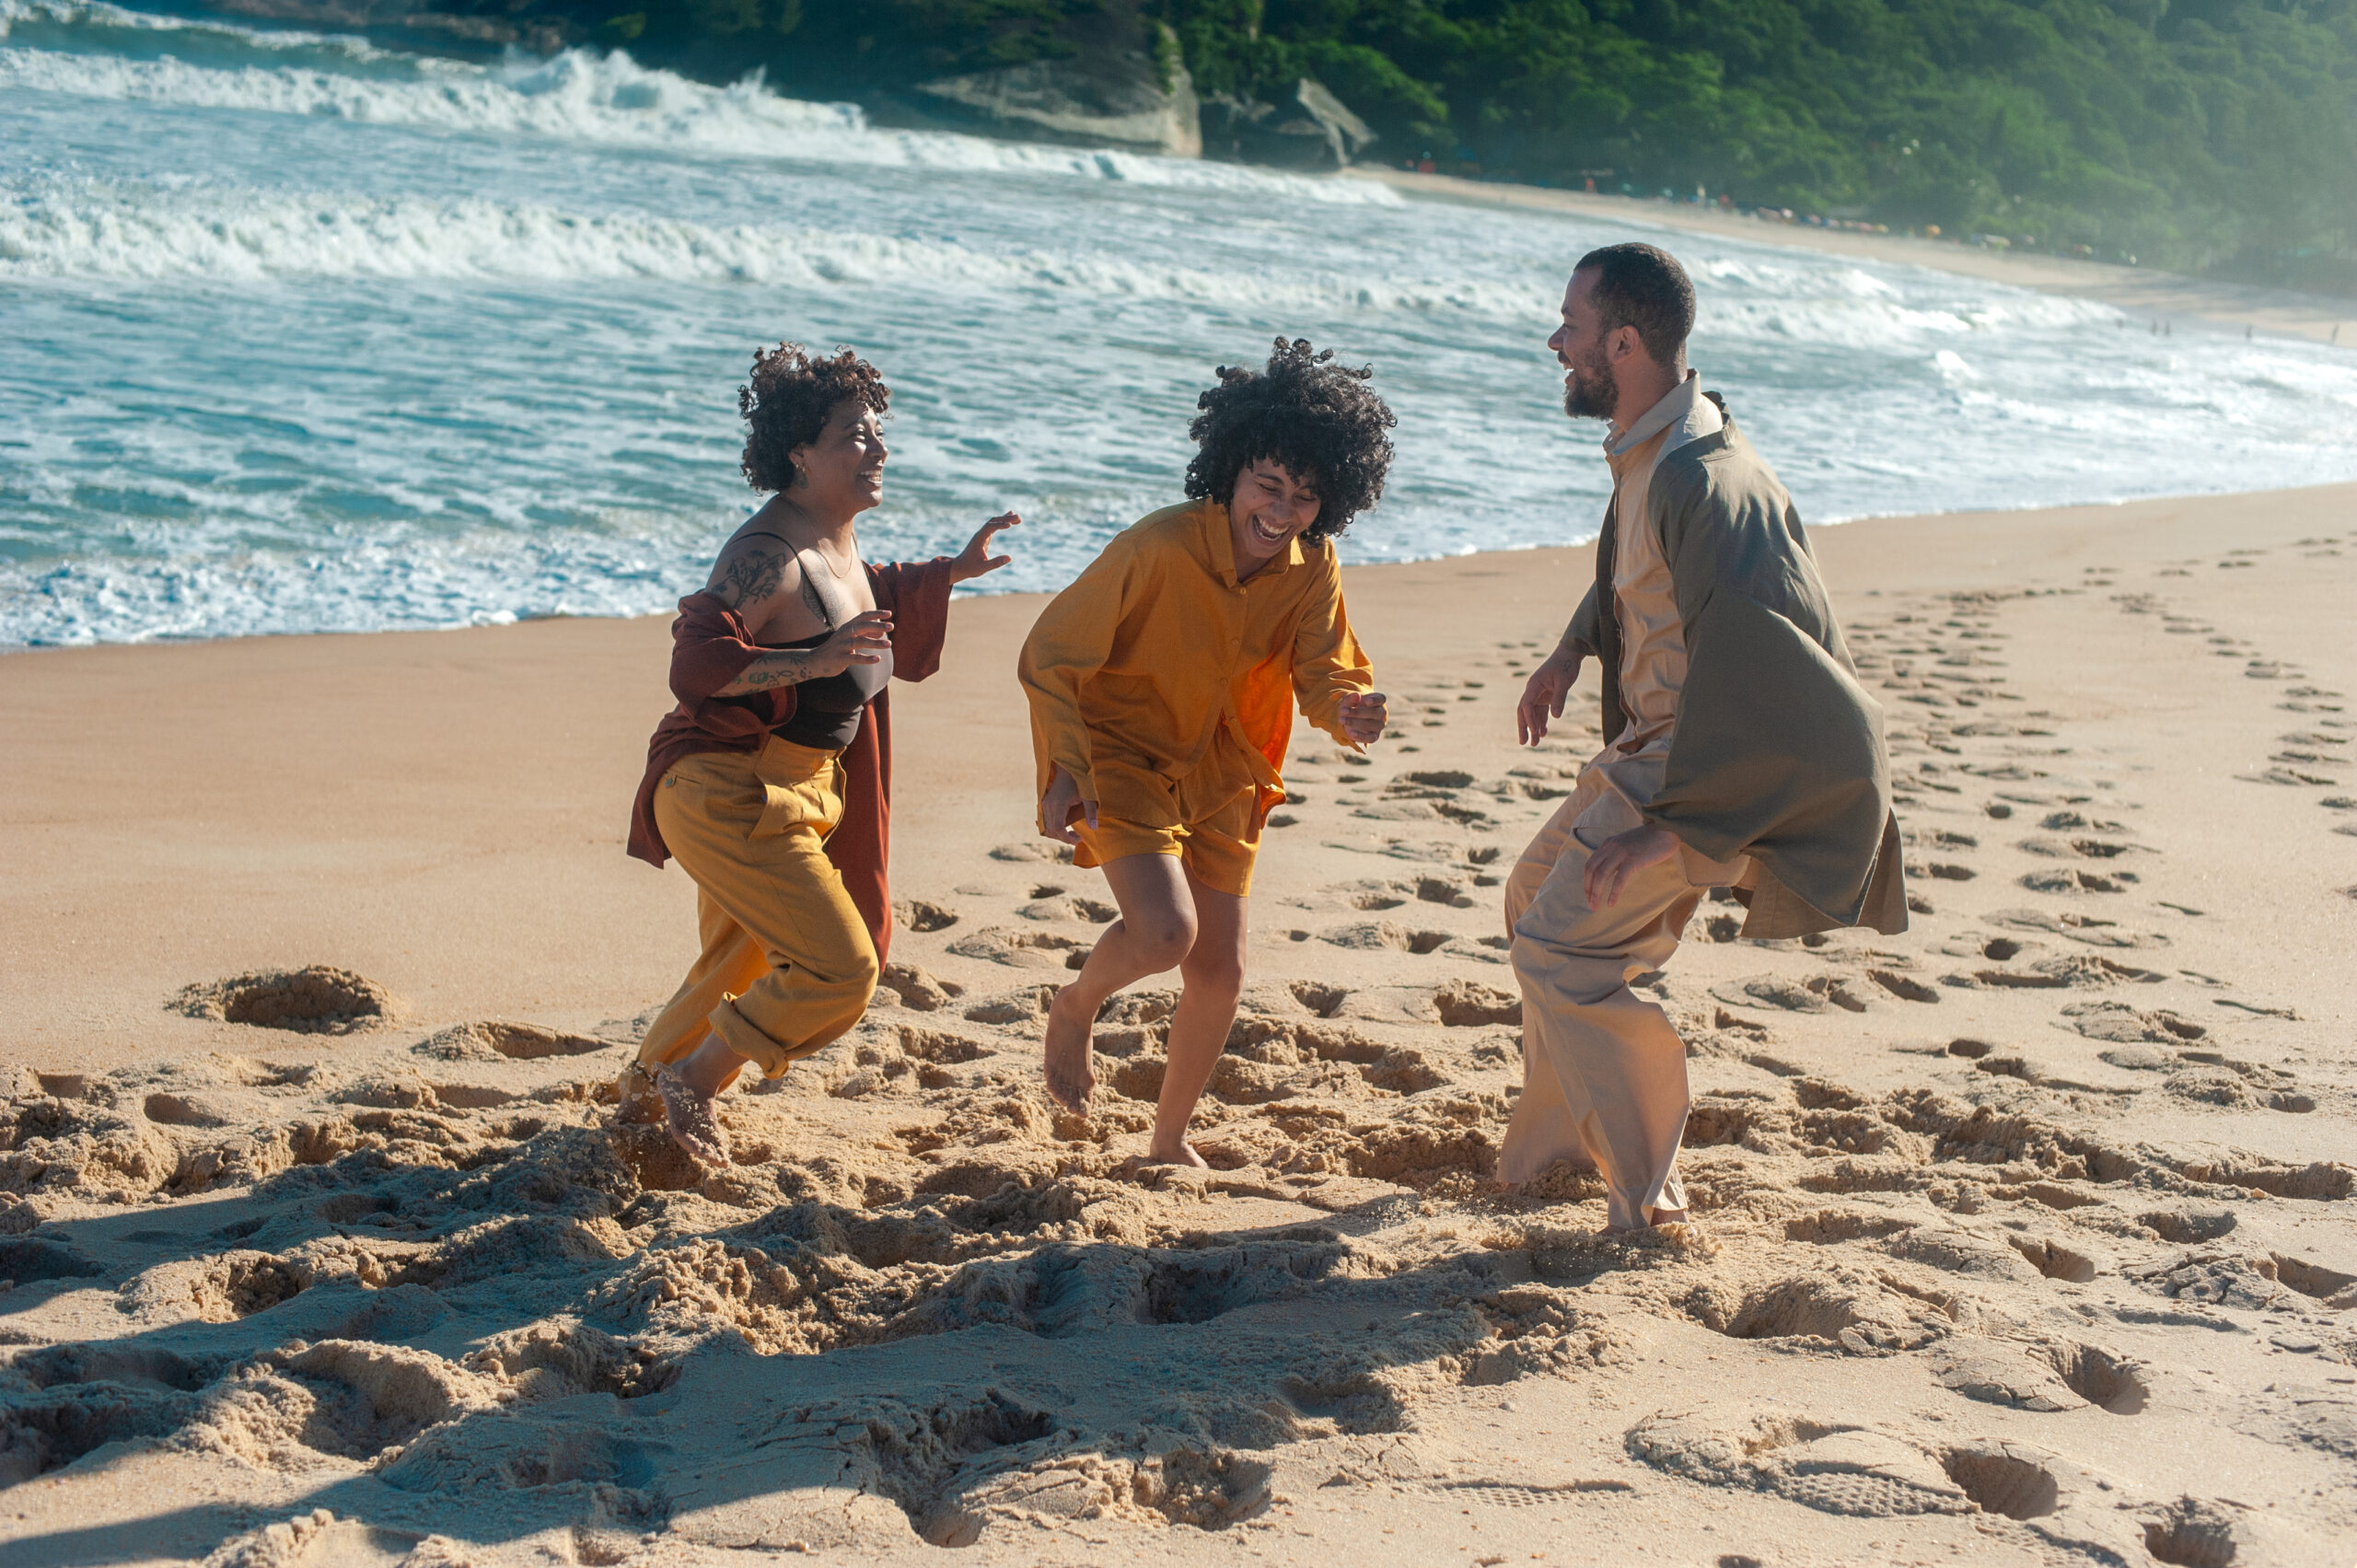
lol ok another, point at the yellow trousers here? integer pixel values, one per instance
(787, 965)
(1603, 1072)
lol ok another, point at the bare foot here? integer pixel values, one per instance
(636, 1099)
(690, 1117)
(1185, 1155)
(1069, 1075)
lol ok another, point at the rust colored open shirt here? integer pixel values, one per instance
(711, 646)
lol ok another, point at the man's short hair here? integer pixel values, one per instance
(1644, 286)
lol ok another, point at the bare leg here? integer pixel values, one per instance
(687, 1088)
(1155, 932)
(1214, 973)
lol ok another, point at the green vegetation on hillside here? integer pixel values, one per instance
(2202, 134)
(2190, 133)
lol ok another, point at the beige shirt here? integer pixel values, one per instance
(1652, 643)
(1653, 639)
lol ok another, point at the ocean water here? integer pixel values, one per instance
(304, 335)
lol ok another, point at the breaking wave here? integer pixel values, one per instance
(101, 51)
(85, 229)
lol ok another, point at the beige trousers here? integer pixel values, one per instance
(786, 964)
(1603, 1073)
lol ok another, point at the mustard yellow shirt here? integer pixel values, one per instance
(1137, 671)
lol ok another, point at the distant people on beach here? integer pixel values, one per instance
(770, 781)
(1162, 685)
(1739, 750)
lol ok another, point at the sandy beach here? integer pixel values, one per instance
(2143, 293)
(2028, 1236)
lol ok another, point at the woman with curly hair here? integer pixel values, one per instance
(1162, 684)
(770, 782)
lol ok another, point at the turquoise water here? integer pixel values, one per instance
(304, 335)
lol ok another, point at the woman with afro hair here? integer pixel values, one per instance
(1162, 684)
(770, 782)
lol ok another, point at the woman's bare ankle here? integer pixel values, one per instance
(710, 1068)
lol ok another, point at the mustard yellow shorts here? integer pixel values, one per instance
(1217, 848)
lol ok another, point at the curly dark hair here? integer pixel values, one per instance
(1317, 419)
(789, 400)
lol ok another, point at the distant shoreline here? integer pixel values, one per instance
(2166, 296)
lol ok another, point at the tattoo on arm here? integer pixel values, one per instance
(786, 668)
(751, 577)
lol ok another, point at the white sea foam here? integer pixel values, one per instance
(52, 228)
(579, 95)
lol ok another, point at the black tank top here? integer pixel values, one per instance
(826, 710)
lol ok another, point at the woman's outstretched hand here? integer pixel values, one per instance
(976, 558)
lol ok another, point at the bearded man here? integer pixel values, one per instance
(1740, 751)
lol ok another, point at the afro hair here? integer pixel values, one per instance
(1320, 420)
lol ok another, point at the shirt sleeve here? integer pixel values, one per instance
(710, 647)
(1583, 636)
(1327, 662)
(917, 594)
(1070, 643)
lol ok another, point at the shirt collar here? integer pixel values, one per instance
(1221, 541)
(1671, 409)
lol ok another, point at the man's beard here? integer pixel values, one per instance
(1591, 392)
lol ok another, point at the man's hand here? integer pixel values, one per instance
(1363, 715)
(1056, 808)
(976, 558)
(1621, 857)
(1542, 697)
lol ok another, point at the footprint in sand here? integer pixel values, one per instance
(494, 1040)
(1023, 949)
(2076, 881)
(923, 916)
(1033, 849)
(2048, 1375)
(1816, 995)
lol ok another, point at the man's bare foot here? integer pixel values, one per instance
(1185, 1155)
(1070, 1078)
(690, 1117)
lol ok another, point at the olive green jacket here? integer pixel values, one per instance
(1778, 752)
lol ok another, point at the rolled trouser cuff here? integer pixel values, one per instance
(738, 1035)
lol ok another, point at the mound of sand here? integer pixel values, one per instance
(317, 1000)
